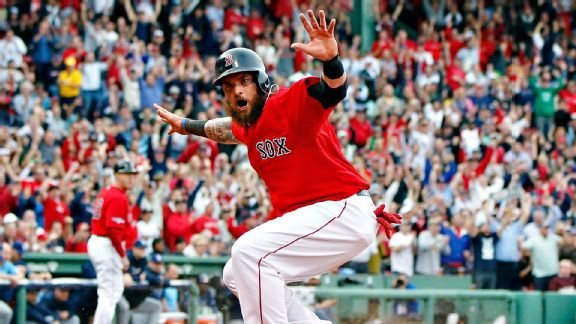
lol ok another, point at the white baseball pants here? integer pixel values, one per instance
(297, 246)
(108, 265)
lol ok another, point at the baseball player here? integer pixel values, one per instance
(110, 223)
(328, 215)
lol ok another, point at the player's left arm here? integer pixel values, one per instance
(323, 46)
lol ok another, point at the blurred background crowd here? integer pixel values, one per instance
(461, 114)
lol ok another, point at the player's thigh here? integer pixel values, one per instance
(312, 239)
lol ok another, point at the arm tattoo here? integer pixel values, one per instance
(195, 127)
(220, 130)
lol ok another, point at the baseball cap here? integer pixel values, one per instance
(156, 258)
(9, 218)
(125, 167)
(203, 279)
(139, 244)
(41, 235)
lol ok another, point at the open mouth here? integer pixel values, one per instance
(241, 104)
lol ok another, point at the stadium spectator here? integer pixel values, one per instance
(508, 252)
(58, 300)
(147, 229)
(137, 258)
(69, 83)
(78, 243)
(430, 245)
(544, 254)
(198, 246)
(154, 275)
(170, 295)
(7, 272)
(565, 281)
(455, 261)
(207, 294)
(404, 308)
(402, 244)
(484, 242)
(35, 311)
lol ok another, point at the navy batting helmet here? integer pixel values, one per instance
(238, 60)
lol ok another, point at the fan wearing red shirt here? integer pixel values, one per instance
(55, 210)
(110, 223)
(568, 95)
(384, 42)
(254, 25)
(178, 223)
(361, 128)
(206, 222)
(7, 196)
(327, 214)
(78, 243)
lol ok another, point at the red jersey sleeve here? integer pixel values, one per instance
(305, 111)
(239, 132)
(116, 213)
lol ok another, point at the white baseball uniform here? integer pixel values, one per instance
(110, 224)
(299, 245)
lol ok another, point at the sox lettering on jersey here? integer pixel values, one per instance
(269, 149)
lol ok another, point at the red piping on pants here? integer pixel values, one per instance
(280, 248)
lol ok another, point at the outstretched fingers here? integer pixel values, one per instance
(306, 24)
(331, 26)
(322, 20)
(313, 20)
(159, 109)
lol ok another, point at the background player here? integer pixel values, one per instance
(328, 216)
(111, 221)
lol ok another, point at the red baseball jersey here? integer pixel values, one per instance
(294, 149)
(111, 210)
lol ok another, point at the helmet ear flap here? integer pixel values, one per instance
(264, 82)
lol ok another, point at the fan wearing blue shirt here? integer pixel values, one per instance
(7, 272)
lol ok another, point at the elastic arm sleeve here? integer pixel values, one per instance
(115, 235)
(328, 97)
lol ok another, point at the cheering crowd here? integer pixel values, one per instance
(461, 114)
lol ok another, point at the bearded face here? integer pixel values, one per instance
(243, 100)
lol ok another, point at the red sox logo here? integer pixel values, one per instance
(269, 149)
(228, 60)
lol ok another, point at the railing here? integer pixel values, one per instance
(519, 307)
(70, 264)
(72, 283)
(429, 297)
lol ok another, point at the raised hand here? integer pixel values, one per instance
(171, 119)
(322, 43)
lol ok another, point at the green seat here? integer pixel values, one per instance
(559, 308)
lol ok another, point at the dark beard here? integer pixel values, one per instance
(252, 117)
